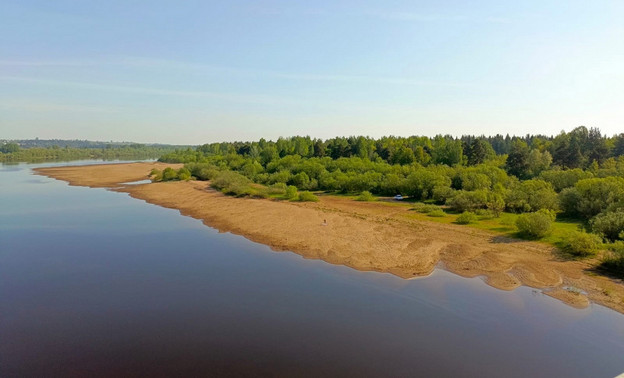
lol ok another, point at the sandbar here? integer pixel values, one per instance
(367, 236)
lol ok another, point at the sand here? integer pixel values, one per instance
(367, 236)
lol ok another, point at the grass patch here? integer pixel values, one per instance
(425, 208)
(436, 213)
(307, 197)
(504, 225)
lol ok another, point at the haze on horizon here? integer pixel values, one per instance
(198, 72)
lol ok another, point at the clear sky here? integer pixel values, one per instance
(193, 72)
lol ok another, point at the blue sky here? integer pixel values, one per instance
(193, 72)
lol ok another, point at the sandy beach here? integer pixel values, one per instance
(367, 236)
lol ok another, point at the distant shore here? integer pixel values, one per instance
(367, 236)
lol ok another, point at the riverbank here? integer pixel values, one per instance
(366, 236)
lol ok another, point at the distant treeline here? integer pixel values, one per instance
(74, 143)
(13, 152)
(579, 174)
(576, 149)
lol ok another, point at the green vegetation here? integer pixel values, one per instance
(170, 174)
(467, 217)
(291, 192)
(436, 213)
(365, 196)
(425, 208)
(13, 152)
(582, 244)
(505, 181)
(609, 225)
(306, 196)
(614, 260)
(537, 224)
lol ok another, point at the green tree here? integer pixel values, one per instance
(480, 151)
(532, 195)
(517, 161)
(9, 148)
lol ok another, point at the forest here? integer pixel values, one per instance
(24, 151)
(570, 185)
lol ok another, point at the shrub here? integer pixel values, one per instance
(564, 179)
(532, 195)
(614, 260)
(184, 174)
(495, 203)
(569, 199)
(291, 192)
(156, 175)
(365, 196)
(257, 192)
(468, 201)
(169, 174)
(581, 243)
(441, 193)
(232, 183)
(535, 225)
(466, 218)
(425, 208)
(437, 213)
(598, 194)
(609, 225)
(278, 188)
(202, 171)
(307, 197)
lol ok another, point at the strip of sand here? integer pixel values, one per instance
(366, 236)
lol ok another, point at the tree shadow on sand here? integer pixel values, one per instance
(500, 239)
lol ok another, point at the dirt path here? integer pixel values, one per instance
(363, 235)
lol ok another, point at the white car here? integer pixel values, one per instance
(398, 197)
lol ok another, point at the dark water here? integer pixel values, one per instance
(94, 283)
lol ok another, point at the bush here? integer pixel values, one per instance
(561, 180)
(581, 244)
(365, 196)
(232, 183)
(437, 213)
(156, 175)
(424, 208)
(569, 199)
(468, 201)
(466, 218)
(609, 225)
(532, 195)
(291, 192)
(279, 188)
(598, 194)
(495, 203)
(202, 171)
(535, 225)
(441, 193)
(169, 174)
(307, 197)
(184, 174)
(614, 260)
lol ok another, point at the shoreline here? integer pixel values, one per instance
(366, 236)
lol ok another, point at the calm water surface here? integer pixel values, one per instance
(95, 283)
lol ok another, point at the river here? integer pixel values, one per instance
(95, 283)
